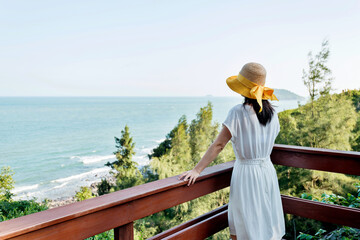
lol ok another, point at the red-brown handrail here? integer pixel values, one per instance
(118, 210)
(317, 159)
(89, 217)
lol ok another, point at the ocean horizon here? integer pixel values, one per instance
(55, 145)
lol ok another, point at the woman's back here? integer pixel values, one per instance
(255, 210)
(250, 139)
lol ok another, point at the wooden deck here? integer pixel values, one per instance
(120, 209)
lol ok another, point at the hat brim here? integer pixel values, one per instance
(237, 86)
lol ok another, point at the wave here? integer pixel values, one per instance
(81, 175)
(160, 140)
(93, 159)
(64, 187)
(25, 188)
(61, 185)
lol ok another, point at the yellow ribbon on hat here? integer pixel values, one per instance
(249, 89)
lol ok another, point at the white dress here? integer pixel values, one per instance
(255, 209)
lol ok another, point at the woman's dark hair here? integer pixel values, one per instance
(267, 110)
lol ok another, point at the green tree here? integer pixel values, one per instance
(177, 157)
(317, 78)
(6, 183)
(103, 187)
(202, 133)
(125, 171)
(84, 193)
(330, 127)
(354, 96)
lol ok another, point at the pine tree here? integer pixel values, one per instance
(126, 171)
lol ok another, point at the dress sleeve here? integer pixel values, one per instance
(231, 123)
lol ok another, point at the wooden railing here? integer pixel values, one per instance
(120, 209)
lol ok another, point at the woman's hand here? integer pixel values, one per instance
(192, 175)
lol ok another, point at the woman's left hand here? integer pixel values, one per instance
(192, 175)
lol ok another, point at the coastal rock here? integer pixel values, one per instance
(60, 202)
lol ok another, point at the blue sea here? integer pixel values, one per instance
(54, 145)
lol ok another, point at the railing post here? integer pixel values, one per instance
(124, 232)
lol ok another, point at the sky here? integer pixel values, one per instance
(170, 48)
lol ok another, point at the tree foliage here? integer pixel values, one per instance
(6, 183)
(14, 209)
(354, 96)
(201, 132)
(331, 126)
(103, 187)
(10, 209)
(84, 193)
(125, 170)
(171, 161)
(317, 78)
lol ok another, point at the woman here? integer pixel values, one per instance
(255, 210)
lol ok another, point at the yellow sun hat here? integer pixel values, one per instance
(250, 83)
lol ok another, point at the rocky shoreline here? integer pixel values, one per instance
(65, 201)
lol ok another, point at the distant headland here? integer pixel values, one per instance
(283, 94)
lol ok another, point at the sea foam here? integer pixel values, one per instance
(93, 159)
(160, 140)
(25, 188)
(81, 175)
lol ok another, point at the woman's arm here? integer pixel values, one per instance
(215, 148)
